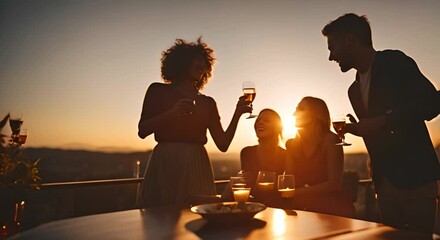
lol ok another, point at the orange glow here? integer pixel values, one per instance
(88, 92)
(279, 224)
(289, 129)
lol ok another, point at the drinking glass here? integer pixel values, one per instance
(250, 92)
(339, 122)
(266, 180)
(240, 188)
(286, 185)
(22, 136)
(15, 122)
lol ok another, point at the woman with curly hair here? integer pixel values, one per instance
(177, 113)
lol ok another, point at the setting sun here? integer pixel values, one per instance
(289, 129)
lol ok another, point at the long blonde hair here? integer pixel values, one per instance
(320, 116)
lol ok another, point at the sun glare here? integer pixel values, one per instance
(289, 129)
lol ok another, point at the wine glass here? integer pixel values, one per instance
(250, 92)
(286, 185)
(240, 188)
(15, 122)
(339, 122)
(266, 180)
(22, 136)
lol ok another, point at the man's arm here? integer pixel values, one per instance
(424, 101)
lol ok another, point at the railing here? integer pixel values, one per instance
(90, 183)
(97, 183)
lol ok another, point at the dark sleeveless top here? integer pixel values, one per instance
(252, 163)
(161, 98)
(307, 170)
(311, 171)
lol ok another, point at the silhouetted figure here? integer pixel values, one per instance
(179, 170)
(266, 156)
(392, 99)
(317, 162)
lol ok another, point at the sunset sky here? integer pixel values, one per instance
(78, 70)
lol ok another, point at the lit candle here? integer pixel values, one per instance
(136, 172)
(287, 192)
(266, 186)
(241, 195)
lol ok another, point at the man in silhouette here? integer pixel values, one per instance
(392, 100)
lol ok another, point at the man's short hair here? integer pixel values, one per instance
(351, 23)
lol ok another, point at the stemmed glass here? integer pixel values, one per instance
(240, 188)
(22, 136)
(266, 180)
(286, 185)
(339, 122)
(15, 122)
(250, 92)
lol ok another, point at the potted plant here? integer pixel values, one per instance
(17, 175)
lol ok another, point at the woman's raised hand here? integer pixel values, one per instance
(243, 106)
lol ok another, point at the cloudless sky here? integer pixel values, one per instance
(78, 70)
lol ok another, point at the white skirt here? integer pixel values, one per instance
(175, 174)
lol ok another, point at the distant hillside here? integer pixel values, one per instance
(58, 165)
(75, 165)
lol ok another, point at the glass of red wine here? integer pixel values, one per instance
(250, 92)
(22, 136)
(339, 122)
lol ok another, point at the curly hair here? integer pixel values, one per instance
(178, 58)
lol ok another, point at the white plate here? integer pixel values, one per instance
(227, 212)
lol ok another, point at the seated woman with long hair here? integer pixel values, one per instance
(266, 156)
(317, 162)
(178, 114)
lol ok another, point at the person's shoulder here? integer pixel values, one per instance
(281, 148)
(247, 150)
(330, 138)
(157, 86)
(391, 56)
(390, 53)
(209, 101)
(245, 153)
(207, 98)
(291, 142)
(282, 152)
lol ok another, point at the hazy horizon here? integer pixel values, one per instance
(78, 70)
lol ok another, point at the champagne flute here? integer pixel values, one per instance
(339, 122)
(286, 185)
(266, 180)
(250, 92)
(240, 188)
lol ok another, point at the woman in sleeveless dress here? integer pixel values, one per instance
(178, 114)
(266, 156)
(317, 162)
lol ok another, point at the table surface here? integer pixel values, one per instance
(173, 223)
